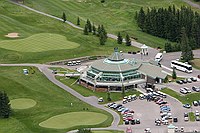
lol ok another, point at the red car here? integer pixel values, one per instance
(128, 130)
(198, 76)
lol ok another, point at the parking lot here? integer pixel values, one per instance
(176, 87)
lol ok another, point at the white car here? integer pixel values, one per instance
(100, 99)
(183, 91)
(187, 89)
(147, 130)
(196, 113)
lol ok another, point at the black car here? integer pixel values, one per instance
(175, 119)
(126, 122)
(163, 102)
(132, 122)
(179, 81)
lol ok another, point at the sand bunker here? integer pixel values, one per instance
(12, 35)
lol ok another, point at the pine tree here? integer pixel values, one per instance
(168, 47)
(5, 109)
(78, 21)
(174, 74)
(104, 31)
(64, 17)
(89, 25)
(85, 31)
(102, 39)
(94, 29)
(108, 96)
(185, 47)
(141, 19)
(98, 30)
(119, 38)
(128, 41)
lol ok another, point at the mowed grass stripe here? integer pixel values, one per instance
(38, 43)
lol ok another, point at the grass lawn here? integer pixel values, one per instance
(73, 119)
(22, 103)
(191, 116)
(196, 63)
(189, 98)
(51, 101)
(115, 15)
(29, 24)
(71, 82)
(39, 43)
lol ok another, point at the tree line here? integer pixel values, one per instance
(168, 22)
(5, 109)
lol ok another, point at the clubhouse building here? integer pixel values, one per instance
(115, 72)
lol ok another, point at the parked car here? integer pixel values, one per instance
(199, 102)
(141, 97)
(183, 91)
(132, 122)
(100, 99)
(126, 122)
(194, 79)
(189, 80)
(147, 130)
(184, 81)
(187, 105)
(198, 76)
(124, 101)
(128, 130)
(197, 89)
(187, 89)
(179, 81)
(182, 129)
(196, 113)
(195, 103)
(137, 121)
(197, 118)
(175, 119)
(134, 97)
(162, 102)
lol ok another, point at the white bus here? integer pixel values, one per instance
(181, 66)
(158, 57)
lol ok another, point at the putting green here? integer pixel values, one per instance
(22, 103)
(39, 43)
(68, 120)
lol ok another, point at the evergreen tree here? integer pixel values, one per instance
(102, 39)
(94, 29)
(185, 47)
(78, 21)
(64, 17)
(89, 25)
(85, 31)
(104, 31)
(128, 41)
(174, 74)
(5, 109)
(108, 96)
(98, 30)
(119, 38)
(141, 19)
(168, 47)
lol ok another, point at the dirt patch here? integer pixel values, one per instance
(12, 35)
